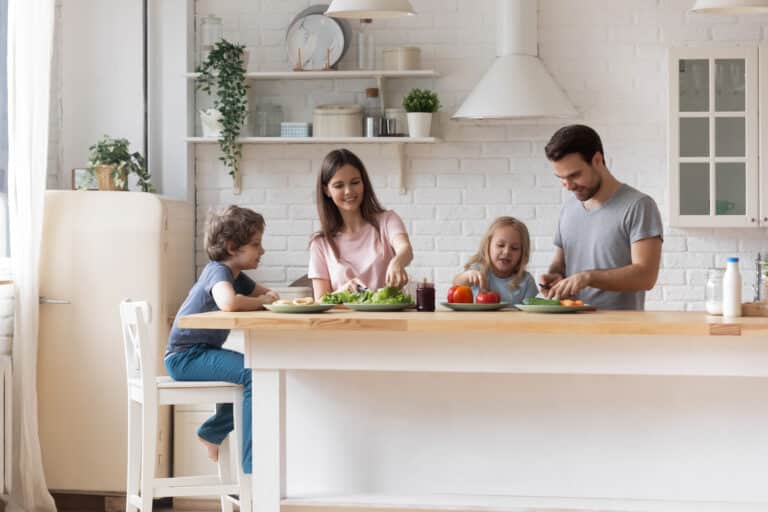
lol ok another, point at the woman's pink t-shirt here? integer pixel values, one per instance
(362, 254)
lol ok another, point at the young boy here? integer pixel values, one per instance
(233, 243)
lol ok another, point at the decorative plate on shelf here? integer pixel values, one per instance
(321, 39)
(463, 306)
(298, 308)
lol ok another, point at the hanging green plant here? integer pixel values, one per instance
(223, 71)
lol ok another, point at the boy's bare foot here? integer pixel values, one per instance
(213, 449)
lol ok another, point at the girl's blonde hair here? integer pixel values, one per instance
(483, 255)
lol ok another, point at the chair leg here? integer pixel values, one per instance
(225, 471)
(148, 455)
(134, 454)
(243, 480)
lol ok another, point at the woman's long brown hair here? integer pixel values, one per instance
(331, 222)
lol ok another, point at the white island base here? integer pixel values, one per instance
(354, 415)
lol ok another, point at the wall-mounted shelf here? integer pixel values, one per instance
(321, 140)
(339, 75)
(400, 142)
(379, 75)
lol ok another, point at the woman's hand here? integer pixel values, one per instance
(353, 286)
(396, 276)
(476, 278)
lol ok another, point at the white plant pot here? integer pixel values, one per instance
(419, 124)
(210, 120)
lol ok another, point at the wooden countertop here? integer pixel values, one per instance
(508, 321)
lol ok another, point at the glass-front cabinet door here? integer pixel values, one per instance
(713, 137)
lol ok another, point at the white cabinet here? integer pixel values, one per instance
(714, 144)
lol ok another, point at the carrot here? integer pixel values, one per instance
(566, 302)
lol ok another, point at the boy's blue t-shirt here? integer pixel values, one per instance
(525, 288)
(200, 300)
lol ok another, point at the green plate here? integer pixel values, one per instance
(463, 306)
(378, 307)
(296, 308)
(554, 309)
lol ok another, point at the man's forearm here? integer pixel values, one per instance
(623, 279)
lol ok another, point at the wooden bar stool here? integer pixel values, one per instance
(146, 392)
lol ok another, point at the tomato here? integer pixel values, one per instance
(460, 294)
(451, 291)
(488, 298)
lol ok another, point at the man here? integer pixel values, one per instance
(609, 236)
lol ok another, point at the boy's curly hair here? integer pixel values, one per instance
(232, 225)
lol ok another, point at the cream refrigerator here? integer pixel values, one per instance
(99, 248)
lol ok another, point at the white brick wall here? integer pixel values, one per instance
(608, 55)
(610, 58)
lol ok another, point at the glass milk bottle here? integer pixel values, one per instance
(714, 291)
(211, 32)
(365, 45)
(732, 288)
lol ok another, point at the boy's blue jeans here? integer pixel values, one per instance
(207, 363)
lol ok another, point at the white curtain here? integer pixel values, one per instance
(30, 45)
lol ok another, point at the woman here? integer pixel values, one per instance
(360, 244)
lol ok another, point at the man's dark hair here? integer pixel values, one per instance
(576, 138)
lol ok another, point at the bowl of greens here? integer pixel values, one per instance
(383, 299)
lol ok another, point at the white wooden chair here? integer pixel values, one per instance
(146, 392)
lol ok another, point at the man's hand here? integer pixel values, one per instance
(569, 286)
(547, 281)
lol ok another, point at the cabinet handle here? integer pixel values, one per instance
(753, 219)
(46, 300)
(765, 219)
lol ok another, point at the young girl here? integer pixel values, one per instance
(500, 262)
(360, 244)
(233, 243)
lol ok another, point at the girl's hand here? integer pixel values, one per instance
(477, 278)
(396, 276)
(353, 286)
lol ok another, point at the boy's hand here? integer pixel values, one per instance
(269, 297)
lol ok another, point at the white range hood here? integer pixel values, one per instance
(517, 86)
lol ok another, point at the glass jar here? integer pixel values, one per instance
(211, 31)
(425, 296)
(365, 45)
(266, 120)
(714, 291)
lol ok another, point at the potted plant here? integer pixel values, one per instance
(224, 71)
(420, 104)
(111, 161)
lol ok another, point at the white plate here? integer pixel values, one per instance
(378, 307)
(544, 308)
(298, 308)
(316, 35)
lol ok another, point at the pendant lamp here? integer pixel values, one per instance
(731, 7)
(373, 9)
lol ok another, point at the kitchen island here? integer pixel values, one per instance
(505, 410)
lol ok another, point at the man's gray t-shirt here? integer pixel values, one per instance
(200, 300)
(601, 239)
